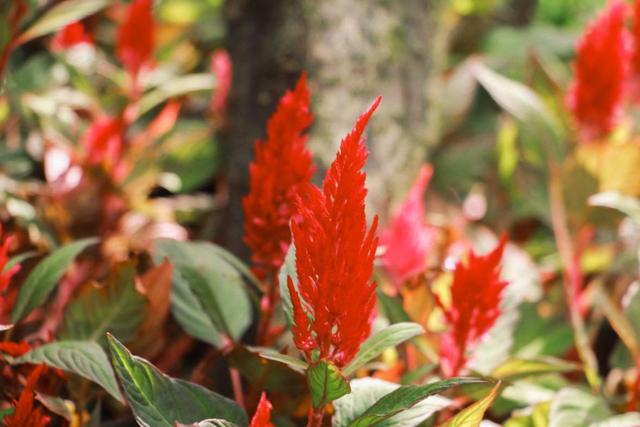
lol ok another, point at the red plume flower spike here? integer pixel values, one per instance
(262, 417)
(476, 294)
(71, 35)
(222, 68)
(408, 238)
(334, 256)
(5, 276)
(104, 141)
(282, 165)
(136, 37)
(635, 57)
(25, 415)
(601, 69)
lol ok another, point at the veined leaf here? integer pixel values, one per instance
(158, 400)
(288, 269)
(271, 354)
(377, 343)
(630, 419)
(326, 383)
(516, 368)
(116, 307)
(60, 15)
(404, 398)
(84, 358)
(45, 277)
(366, 391)
(574, 407)
(471, 416)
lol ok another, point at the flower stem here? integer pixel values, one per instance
(315, 417)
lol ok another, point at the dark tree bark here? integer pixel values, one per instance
(267, 44)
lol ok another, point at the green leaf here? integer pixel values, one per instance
(20, 258)
(366, 391)
(60, 15)
(212, 275)
(45, 277)
(630, 419)
(391, 308)
(404, 398)
(377, 343)
(158, 400)
(179, 86)
(516, 368)
(84, 358)
(116, 307)
(471, 416)
(575, 407)
(326, 383)
(271, 354)
(288, 269)
(628, 205)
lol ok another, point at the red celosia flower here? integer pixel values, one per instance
(476, 294)
(409, 238)
(281, 166)
(15, 349)
(601, 69)
(221, 67)
(635, 57)
(71, 35)
(104, 141)
(25, 415)
(5, 276)
(136, 37)
(262, 417)
(334, 256)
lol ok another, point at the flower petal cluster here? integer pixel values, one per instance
(601, 71)
(136, 37)
(409, 238)
(281, 166)
(103, 142)
(71, 35)
(476, 294)
(334, 256)
(262, 417)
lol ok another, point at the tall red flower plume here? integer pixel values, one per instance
(25, 414)
(281, 166)
(103, 142)
(408, 238)
(476, 294)
(71, 35)
(334, 256)
(635, 57)
(5, 276)
(601, 69)
(262, 417)
(136, 37)
(222, 69)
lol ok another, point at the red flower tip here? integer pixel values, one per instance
(15, 349)
(408, 238)
(25, 415)
(334, 256)
(222, 69)
(601, 69)
(136, 37)
(71, 35)
(281, 166)
(5, 276)
(104, 141)
(262, 417)
(476, 294)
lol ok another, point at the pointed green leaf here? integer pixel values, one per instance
(326, 383)
(472, 416)
(271, 354)
(60, 15)
(516, 368)
(45, 277)
(575, 407)
(158, 400)
(116, 307)
(176, 87)
(378, 342)
(287, 270)
(84, 358)
(404, 398)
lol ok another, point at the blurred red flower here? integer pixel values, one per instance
(408, 239)
(476, 294)
(5, 276)
(282, 165)
(601, 69)
(71, 35)
(103, 142)
(136, 37)
(222, 69)
(334, 256)
(262, 417)
(25, 414)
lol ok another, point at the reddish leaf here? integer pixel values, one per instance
(25, 414)
(334, 255)
(71, 35)
(136, 37)
(5, 276)
(262, 417)
(104, 141)
(222, 68)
